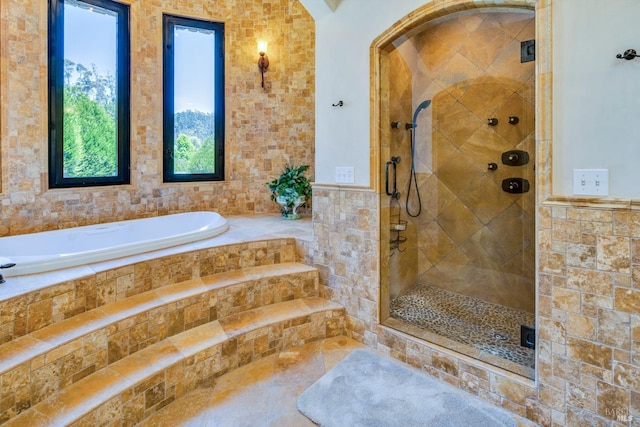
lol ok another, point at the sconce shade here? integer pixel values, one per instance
(262, 47)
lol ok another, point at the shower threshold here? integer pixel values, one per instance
(476, 328)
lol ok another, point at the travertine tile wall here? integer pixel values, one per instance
(264, 128)
(404, 263)
(589, 314)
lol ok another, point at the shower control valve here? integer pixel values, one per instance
(513, 120)
(515, 158)
(492, 166)
(515, 185)
(493, 121)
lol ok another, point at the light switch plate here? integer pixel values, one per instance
(591, 182)
(344, 175)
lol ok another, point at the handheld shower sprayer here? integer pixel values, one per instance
(413, 180)
(421, 107)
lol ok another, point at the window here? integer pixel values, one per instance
(88, 93)
(193, 100)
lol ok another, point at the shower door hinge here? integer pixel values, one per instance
(527, 51)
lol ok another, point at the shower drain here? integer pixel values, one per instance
(500, 337)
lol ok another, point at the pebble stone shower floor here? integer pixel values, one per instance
(488, 327)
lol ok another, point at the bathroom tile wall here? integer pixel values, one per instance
(265, 128)
(404, 263)
(589, 314)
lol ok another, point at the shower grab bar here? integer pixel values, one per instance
(386, 177)
(393, 193)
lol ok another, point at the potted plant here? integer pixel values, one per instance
(291, 190)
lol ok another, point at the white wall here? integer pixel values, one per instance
(596, 97)
(343, 39)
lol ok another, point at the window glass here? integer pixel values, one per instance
(89, 78)
(193, 100)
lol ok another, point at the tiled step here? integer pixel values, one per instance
(61, 354)
(32, 302)
(140, 384)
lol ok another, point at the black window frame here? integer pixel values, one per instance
(56, 96)
(169, 22)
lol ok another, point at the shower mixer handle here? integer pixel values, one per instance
(7, 265)
(515, 185)
(515, 158)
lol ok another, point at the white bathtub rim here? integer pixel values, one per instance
(68, 260)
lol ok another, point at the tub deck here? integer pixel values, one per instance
(242, 228)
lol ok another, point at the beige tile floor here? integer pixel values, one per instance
(262, 393)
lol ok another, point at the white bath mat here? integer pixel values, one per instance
(365, 389)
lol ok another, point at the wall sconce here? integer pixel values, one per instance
(263, 62)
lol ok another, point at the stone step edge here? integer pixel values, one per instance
(163, 372)
(54, 336)
(31, 302)
(87, 337)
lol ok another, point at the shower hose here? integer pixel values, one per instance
(413, 179)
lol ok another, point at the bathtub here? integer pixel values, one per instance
(53, 250)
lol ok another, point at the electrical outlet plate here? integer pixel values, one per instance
(591, 182)
(344, 175)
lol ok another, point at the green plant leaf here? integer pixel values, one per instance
(290, 185)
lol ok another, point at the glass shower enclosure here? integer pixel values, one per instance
(459, 267)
